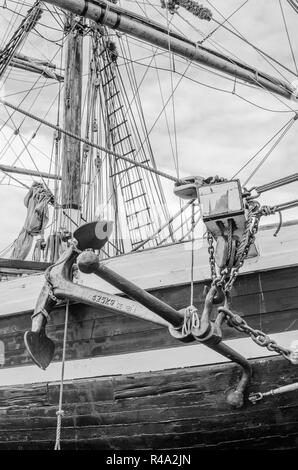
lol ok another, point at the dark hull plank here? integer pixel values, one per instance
(268, 301)
(176, 409)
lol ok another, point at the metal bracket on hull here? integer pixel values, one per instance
(145, 306)
(255, 397)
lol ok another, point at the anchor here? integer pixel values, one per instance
(145, 306)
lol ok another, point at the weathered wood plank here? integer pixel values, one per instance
(164, 420)
(128, 335)
(162, 410)
(218, 437)
(268, 301)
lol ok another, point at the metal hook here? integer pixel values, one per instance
(219, 296)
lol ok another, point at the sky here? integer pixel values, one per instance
(217, 131)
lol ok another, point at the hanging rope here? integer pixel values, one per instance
(60, 411)
(191, 315)
(192, 252)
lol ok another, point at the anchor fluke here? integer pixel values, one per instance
(235, 398)
(40, 347)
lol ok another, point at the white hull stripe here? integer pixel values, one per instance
(132, 363)
(157, 268)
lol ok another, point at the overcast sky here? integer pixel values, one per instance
(217, 131)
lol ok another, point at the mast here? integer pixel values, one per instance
(117, 18)
(71, 149)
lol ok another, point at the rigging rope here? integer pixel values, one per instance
(262, 148)
(222, 23)
(261, 52)
(276, 184)
(192, 254)
(28, 23)
(272, 148)
(288, 36)
(163, 226)
(290, 110)
(237, 34)
(86, 141)
(294, 4)
(60, 411)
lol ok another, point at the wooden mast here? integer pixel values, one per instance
(71, 150)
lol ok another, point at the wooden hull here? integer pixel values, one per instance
(177, 409)
(130, 385)
(268, 301)
(169, 409)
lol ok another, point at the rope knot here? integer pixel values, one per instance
(60, 413)
(267, 210)
(191, 320)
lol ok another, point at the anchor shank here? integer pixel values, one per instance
(88, 262)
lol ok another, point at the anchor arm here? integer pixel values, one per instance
(40, 347)
(208, 332)
(235, 397)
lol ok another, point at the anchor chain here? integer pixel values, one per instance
(228, 275)
(259, 337)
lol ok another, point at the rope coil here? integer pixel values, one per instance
(193, 7)
(191, 320)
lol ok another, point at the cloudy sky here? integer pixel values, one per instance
(217, 131)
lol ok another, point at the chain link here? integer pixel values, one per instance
(227, 277)
(211, 256)
(259, 337)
